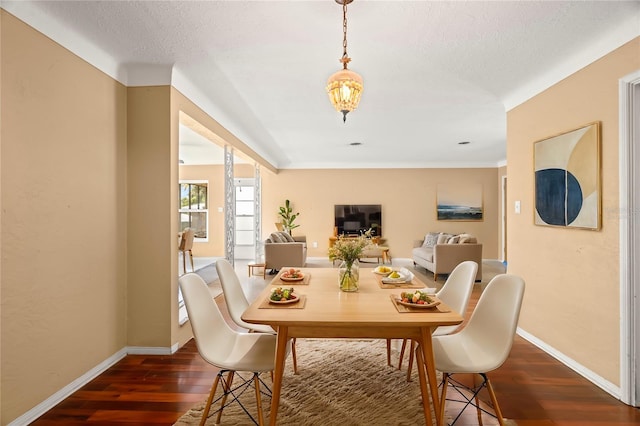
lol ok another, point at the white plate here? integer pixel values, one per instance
(300, 277)
(376, 271)
(284, 302)
(400, 279)
(435, 302)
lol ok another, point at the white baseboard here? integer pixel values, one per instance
(72, 387)
(594, 378)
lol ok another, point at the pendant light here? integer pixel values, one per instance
(345, 86)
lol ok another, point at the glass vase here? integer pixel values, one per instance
(349, 275)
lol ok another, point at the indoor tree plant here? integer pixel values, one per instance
(288, 217)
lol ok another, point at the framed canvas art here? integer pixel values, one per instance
(459, 202)
(567, 179)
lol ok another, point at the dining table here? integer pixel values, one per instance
(371, 312)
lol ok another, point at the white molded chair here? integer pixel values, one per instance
(484, 343)
(237, 303)
(456, 293)
(225, 348)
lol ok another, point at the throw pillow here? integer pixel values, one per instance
(286, 237)
(453, 240)
(468, 239)
(442, 238)
(430, 239)
(275, 237)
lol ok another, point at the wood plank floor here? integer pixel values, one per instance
(532, 389)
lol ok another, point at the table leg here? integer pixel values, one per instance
(429, 364)
(423, 389)
(281, 354)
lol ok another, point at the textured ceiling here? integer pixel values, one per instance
(435, 73)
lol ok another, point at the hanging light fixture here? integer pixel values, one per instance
(345, 86)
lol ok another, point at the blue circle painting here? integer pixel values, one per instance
(555, 189)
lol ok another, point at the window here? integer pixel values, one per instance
(194, 211)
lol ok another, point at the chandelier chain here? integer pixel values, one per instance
(345, 57)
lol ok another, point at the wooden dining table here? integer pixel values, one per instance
(326, 312)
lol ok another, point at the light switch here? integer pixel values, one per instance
(517, 207)
(315, 244)
(219, 209)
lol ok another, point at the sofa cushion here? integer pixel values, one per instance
(454, 240)
(286, 237)
(425, 253)
(276, 238)
(468, 239)
(430, 239)
(443, 238)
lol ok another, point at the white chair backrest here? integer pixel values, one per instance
(494, 320)
(209, 327)
(456, 291)
(234, 297)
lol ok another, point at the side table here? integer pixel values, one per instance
(253, 265)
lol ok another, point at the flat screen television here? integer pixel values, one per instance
(354, 219)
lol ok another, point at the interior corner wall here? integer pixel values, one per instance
(408, 199)
(152, 231)
(63, 192)
(572, 297)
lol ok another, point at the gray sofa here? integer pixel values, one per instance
(440, 253)
(283, 250)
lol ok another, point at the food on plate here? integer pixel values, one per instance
(292, 273)
(281, 294)
(394, 274)
(418, 297)
(383, 269)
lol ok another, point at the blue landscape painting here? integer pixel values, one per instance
(455, 212)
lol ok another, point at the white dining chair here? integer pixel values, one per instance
(483, 344)
(455, 293)
(227, 349)
(236, 302)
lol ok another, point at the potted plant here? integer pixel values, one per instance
(288, 217)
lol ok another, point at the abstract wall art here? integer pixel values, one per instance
(459, 202)
(567, 179)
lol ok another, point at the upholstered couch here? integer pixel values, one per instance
(281, 249)
(440, 252)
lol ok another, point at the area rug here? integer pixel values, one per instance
(340, 382)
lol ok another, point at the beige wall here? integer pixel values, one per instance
(571, 271)
(214, 174)
(63, 165)
(151, 260)
(407, 196)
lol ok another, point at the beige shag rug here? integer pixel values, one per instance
(340, 382)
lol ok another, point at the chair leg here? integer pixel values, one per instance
(184, 262)
(494, 401)
(256, 382)
(191, 257)
(207, 406)
(227, 386)
(445, 384)
(411, 355)
(474, 379)
(293, 356)
(389, 352)
(401, 357)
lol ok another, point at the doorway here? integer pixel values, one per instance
(629, 214)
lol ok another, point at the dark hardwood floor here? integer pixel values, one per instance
(532, 389)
